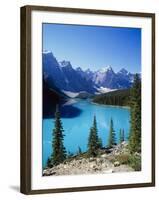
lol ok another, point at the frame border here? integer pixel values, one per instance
(25, 95)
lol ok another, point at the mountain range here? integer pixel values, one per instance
(72, 81)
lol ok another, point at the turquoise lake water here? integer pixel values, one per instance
(77, 118)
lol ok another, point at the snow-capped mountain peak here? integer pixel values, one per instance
(109, 68)
(106, 69)
(47, 52)
(123, 71)
(88, 71)
(79, 69)
(65, 63)
(67, 78)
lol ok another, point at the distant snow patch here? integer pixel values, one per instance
(70, 94)
(47, 52)
(105, 90)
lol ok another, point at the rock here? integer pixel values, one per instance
(103, 156)
(109, 171)
(137, 154)
(53, 173)
(116, 164)
(92, 165)
(104, 165)
(91, 159)
(80, 161)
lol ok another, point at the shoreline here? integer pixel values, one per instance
(127, 107)
(89, 100)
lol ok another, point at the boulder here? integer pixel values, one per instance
(116, 163)
(104, 156)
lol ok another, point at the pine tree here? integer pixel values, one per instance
(93, 140)
(59, 151)
(79, 150)
(49, 163)
(111, 139)
(135, 104)
(121, 136)
(100, 144)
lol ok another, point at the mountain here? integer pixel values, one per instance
(107, 78)
(52, 72)
(75, 82)
(64, 76)
(51, 98)
(70, 80)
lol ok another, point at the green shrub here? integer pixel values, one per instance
(123, 159)
(135, 162)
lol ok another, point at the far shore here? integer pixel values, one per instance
(128, 107)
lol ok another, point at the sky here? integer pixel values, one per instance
(94, 47)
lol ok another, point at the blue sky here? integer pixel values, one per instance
(94, 47)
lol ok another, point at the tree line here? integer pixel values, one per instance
(118, 97)
(94, 141)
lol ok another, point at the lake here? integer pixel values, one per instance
(77, 118)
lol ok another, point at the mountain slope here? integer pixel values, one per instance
(51, 98)
(63, 76)
(75, 80)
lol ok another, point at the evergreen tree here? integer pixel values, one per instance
(49, 163)
(59, 152)
(93, 140)
(111, 139)
(79, 150)
(121, 136)
(100, 144)
(135, 129)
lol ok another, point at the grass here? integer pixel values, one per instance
(132, 160)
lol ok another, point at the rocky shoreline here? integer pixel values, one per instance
(108, 161)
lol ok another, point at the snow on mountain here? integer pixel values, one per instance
(105, 90)
(70, 94)
(64, 76)
(46, 52)
(72, 80)
(65, 63)
(105, 77)
(123, 71)
(106, 69)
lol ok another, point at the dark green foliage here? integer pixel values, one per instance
(100, 145)
(118, 97)
(132, 160)
(111, 139)
(135, 129)
(135, 162)
(49, 163)
(59, 152)
(79, 151)
(93, 140)
(121, 136)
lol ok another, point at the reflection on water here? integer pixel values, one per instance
(77, 117)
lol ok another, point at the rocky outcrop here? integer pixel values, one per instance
(105, 163)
